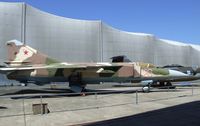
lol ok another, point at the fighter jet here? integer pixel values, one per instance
(27, 65)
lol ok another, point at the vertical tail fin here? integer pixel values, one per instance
(21, 54)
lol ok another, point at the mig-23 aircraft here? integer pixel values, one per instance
(28, 65)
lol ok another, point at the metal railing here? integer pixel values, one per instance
(20, 105)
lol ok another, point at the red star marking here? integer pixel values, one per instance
(25, 52)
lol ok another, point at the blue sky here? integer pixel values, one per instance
(168, 19)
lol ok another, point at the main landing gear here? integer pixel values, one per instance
(163, 85)
(146, 89)
(76, 84)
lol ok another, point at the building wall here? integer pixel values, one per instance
(74, 40)
(10, 25)
(63, 38)
(170, 52)
(195, 56)
(137, 47)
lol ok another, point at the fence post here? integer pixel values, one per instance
(136, 97)
(95, 95)
(24, 112)
(41, 105)
(192, 90)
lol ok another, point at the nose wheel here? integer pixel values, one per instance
(146, 89)
(24, 84)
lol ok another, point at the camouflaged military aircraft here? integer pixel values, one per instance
(28, 65)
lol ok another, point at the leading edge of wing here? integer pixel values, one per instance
(39, 67)
(54, 66)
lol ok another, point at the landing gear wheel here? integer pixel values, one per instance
(146, 89)
(75, 83)
(170, 86)
(24, 84)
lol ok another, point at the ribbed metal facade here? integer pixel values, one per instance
(74, 40)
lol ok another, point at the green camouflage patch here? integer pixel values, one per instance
(160, 71)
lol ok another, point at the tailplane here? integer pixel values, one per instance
(21, 54)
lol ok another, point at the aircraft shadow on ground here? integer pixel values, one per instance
(37, 91)
(2, 107)
(165, 90)
(63, 92)
(181, 115)
(24, 94)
